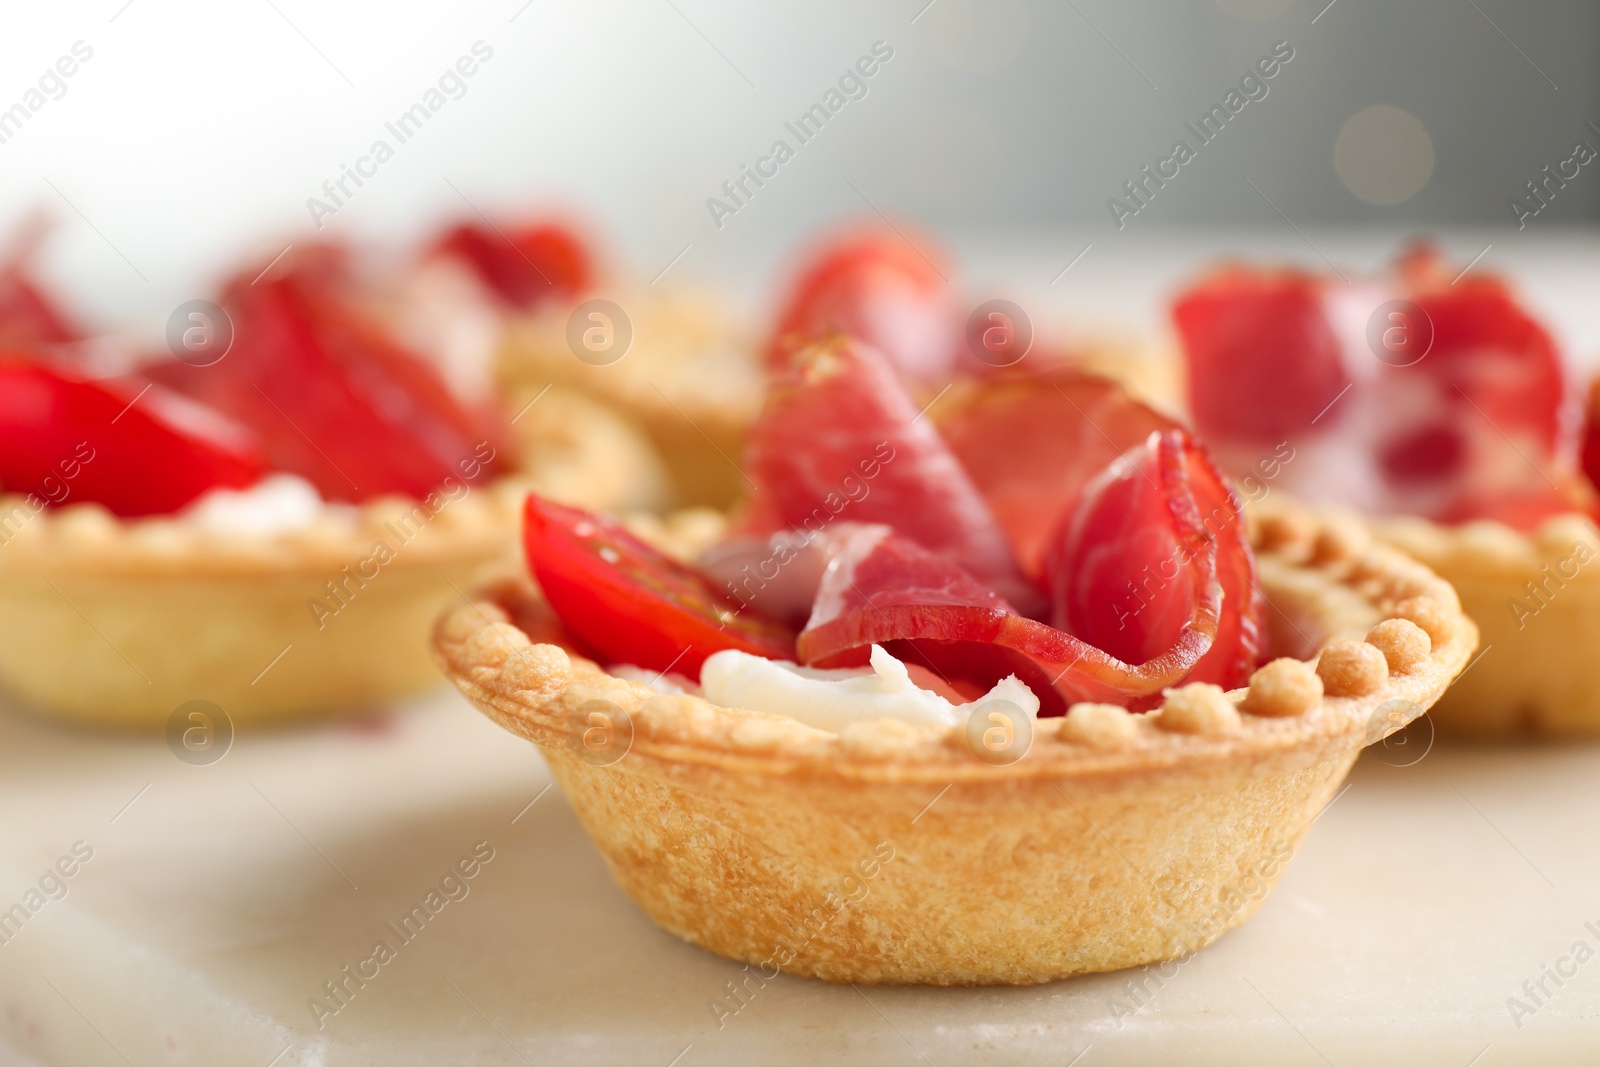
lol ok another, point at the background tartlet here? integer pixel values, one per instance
(120, 621)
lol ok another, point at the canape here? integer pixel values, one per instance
(1433, 403)
(536, 312)
(842, 741)
(269, 525)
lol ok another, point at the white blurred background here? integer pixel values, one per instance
(196, 132)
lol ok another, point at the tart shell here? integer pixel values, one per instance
(118, 623)
(689, 379)
(1536, 600)
(890, 853)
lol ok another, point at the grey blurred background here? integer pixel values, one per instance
(197, 133)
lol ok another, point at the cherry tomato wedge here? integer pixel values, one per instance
(882, 290)
(632, 604)
(68, 439)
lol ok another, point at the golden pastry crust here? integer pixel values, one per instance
(121, 621)
(691, 379)
(1536, 599)
(1111, 842)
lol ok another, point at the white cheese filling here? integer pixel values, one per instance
(831, 700)
(278, 503)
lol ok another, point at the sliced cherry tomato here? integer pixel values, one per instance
(336, 398)
(67, 439)
(1263, 358)
(1031, 443)
(877, 287)
(524, 265)
(840, 440)
(885, 589)
(632, 604)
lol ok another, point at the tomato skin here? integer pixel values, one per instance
(630, 603)
(69, 439)
(335, 397)
(876, 287)
(523, 265)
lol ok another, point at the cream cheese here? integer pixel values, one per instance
(832, 699)
(279, 503)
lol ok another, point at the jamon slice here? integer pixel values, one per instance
(523, 265)
(1489, 361)
(70, 440)
(29, 318)
(1241, 633)
(336, 398)
(840, 440)
(1589, 445)
(1157, 534)
(1263, 357)
(631, 604)
(778, 574)
(1458, 431)
(876, 287)
(1031, 442)
(883, 588)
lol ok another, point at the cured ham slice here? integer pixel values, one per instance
(878, 288)
(1427, 393)
(1150, 540)
(522, 265)
(28, 317)
(840, 440)
(1031, 442)
(883, 588)
(335, 397)
(1264, 359)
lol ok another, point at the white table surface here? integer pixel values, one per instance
(221, 899)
